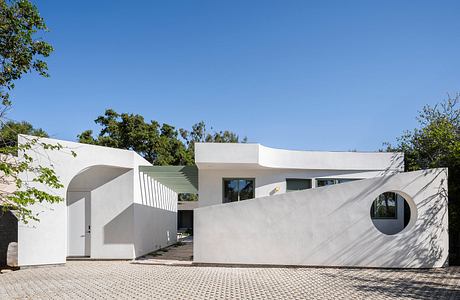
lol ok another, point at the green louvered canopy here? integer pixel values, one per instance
(181, 179)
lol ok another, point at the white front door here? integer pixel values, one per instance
(79, 223)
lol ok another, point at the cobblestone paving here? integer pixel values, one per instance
(122, 280)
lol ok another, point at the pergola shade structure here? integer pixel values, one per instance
(181, 179)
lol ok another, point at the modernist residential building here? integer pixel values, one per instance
(257, 205)
(244, 171)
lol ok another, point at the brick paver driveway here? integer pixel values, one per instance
(123, 280)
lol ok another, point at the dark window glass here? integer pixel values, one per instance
(385, 206)
(230, 191)
(237, 189)
(297, 184)
(324, 182)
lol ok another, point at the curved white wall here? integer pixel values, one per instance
(45, 242)
(328, 226)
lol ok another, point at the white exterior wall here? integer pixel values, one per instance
(329, 226)
(112, 219)
(270, 167)
(157, 209)
(266, 180)
(119, 216)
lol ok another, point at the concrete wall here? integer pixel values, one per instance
(329, 226)
(112, 229)
(156, 209)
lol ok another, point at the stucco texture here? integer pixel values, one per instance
(329, 226)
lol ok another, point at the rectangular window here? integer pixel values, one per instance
(238, 189)
(385, 206)
(331, 181)
(294, 184)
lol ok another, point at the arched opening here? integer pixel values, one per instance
(391, 212)
(79, 206)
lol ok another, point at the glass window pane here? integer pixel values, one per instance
(385, 206)
(230, 190)
(324, 182)
(345, 180)
(297, 184)
(246, 187)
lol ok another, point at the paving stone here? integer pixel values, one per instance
(122, 280)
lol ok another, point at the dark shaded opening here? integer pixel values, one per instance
(8, 233)
(185, 219)
(406, 213)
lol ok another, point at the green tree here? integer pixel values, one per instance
(436, 143)
(21, 52)
(160, 144)
(9, 131)
(199, 134)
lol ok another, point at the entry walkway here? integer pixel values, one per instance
(122, 280)
(179, 254)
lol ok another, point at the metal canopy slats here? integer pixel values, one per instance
(181, 179)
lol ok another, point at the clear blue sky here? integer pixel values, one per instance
(329, 75)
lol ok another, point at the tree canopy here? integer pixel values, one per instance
(160, 144)
(9, 131)
(434, 144)
(22, 51)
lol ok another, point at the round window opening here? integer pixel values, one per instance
(390, 213)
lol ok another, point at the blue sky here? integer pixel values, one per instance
(323, 75)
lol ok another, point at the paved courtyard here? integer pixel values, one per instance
(124, 280)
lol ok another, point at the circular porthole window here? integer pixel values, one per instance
(390, 213)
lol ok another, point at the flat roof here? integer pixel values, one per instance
(242, 155)
(181, 179)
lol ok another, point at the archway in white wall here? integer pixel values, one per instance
(78, 200)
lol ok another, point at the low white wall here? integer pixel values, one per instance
(112, 217)
(329, 226)
(155, 216)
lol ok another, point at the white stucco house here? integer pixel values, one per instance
(257, 205)
(317, 208)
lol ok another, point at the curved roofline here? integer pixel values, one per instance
(224, 155)
(302, 150)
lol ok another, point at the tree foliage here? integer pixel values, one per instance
(22, 51)
(9, 131)
(436, 143)
(160, 144)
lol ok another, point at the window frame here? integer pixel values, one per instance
(237, 178)
(335, 180)
(303, 179)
